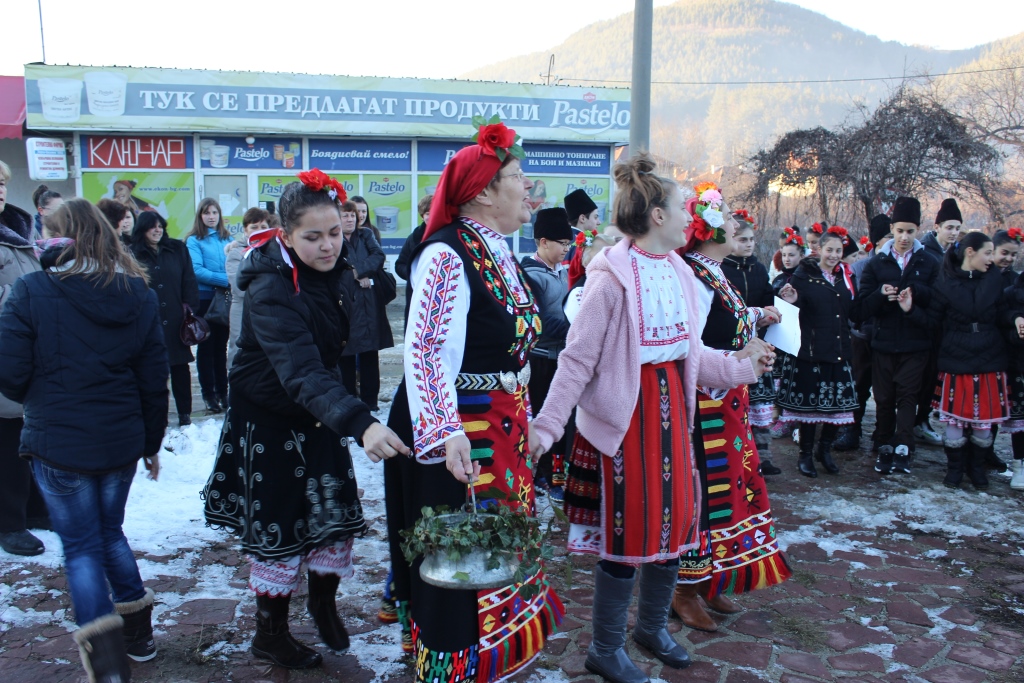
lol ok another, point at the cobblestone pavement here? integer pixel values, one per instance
(895, 579)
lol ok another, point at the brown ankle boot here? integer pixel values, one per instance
(687, 607)
(718, 602)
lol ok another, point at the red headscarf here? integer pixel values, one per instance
(576, 269)
(465, 176)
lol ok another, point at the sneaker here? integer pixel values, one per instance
(883, 464)
(779, 429)
(388, 613)
(901, 463)
(556, 494)
(928, 435)
(768, 469)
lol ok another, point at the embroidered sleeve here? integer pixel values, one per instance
(435, 340)
(756, 315)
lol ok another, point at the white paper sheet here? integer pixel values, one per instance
(785, 336)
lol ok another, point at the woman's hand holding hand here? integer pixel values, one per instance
(1019, 322)
(761, 352)
(772, 316)
(152, 465)
(457, 459)
(381, 443)
(788, 294)
(364, 282)
(906, 300)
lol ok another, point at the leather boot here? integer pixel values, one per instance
(806, 464)
(954, 462)
(606, 655)
(823, 454)
(138, 627)
(321, 606)
(274, 641)
(718, 602)
(687, 607)
(101, 647)
(849, 438)
(657, 585)
(977, 468)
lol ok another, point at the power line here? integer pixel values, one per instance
(799, 82)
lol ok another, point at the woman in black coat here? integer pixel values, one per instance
(283, 480)
(969, 311)
(172, 278)
(817, 385)
(370, 329)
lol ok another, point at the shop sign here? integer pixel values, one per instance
(236, 153)
(432, 156)
(47, 159)
(117, 151)
(360, 155)
(114, 98)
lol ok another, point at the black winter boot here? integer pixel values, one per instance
(823, 454)
(606, 655)
(806, 463)
(657, 586)
(977, 468)
(138, 627)
(321, 606)
(274, 641)
(101, 647)
(954, 461)
(849, 438)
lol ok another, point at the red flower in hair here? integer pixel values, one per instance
(496, 136)
(1015, 234)
(818, 228)
(747, 218)
(865, 243)
(701, 230)
(837, 230)
(317, 181)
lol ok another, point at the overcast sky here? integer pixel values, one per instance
(440, 39)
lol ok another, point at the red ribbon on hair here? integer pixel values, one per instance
(576, 269)
(465, 176)
(263, 237)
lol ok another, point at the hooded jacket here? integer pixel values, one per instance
(932, 247)
(208, 259)
(550, 288)
(893, 330)
(750, 277)
(17, 258)
(290, 344)
(90, 366)
(824, 313)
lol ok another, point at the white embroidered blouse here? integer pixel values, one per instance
(664, 335)
(435, 338)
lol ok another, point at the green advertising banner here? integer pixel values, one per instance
(550, 191)
(172, 195)
(389, 197)
(427, 184)
(270, 187)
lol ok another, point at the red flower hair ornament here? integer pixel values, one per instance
(818, 228)
(865, 244)
(744, 215)
(318, 181)
(1015, 234)
(497, 139)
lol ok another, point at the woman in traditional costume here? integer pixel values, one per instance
(464, 408)
(738, 551)
(632, 363)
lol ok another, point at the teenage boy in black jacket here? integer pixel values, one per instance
(900, 348)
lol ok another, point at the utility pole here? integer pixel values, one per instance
(640, 92)
(42, 38)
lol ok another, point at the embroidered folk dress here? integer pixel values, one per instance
(472, 324)
(639, 504)
(739, 551)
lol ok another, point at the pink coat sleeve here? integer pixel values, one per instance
(722, 369)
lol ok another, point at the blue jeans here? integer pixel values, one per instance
(87, 512)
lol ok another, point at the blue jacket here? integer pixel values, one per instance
(90, 366)
(208, 259)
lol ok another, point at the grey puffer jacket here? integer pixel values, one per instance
(549, 288)
(17, 257)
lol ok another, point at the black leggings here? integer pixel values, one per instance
(181, 387)
(212, 358)
(19, 496)
(1017, 439)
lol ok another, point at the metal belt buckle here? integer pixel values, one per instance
(510, 381)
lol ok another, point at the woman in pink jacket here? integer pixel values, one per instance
(633, 360)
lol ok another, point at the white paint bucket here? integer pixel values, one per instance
(105, 92)
(387, 218)
(61, 99)
(219, 156)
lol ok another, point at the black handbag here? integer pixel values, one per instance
(387, 286)
(219, 311)
(194, 330)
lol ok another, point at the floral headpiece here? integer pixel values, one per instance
(707, 214)
(585, 238)
(1015, 234)
(865, 244)
(841, 231)
(497, 139)
(319, 181)
(818, 228)
(793, 238)
(745, 216)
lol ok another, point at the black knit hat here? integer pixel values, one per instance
(850, 246)
(552, 224)
(949, 211)
(578, 203)
(907, 210)
(879, 228)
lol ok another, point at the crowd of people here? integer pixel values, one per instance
(621, 374)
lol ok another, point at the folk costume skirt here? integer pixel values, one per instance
(284, 485)
(466, 635)
(972, 400)
(649, 495)
(816, 392)
(738, 548)
(762, 401)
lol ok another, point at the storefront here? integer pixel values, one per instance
(164, 139)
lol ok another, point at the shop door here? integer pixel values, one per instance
(232, 192)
